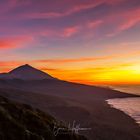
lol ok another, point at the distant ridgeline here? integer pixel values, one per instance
(22, 122)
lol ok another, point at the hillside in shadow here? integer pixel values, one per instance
(22, 122)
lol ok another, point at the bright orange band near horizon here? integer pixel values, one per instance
(100, 75)
(104, 74)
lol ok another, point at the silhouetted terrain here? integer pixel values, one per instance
(20, 121)
(69, 101)
(26, 72)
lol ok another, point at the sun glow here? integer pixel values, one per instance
(135, 69)
(106, 75)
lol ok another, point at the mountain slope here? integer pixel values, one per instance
(27, 78)
(20, 121)
(26, 72)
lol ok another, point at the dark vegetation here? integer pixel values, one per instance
(22, 122)
(106, 123)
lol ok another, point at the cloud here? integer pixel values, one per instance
(74, 60)
(71, 10)
(121, 20)
(9, 63)
(115, 2)
(6, 66)
(50, 69)
(70, 31)
(89, 59)
(48, 10)
(94, 24)
(13, 42)
(131, 19)
(128, 19)
(70, 7)
(8, 43)
(64, 32)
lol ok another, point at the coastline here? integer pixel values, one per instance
(127, 105)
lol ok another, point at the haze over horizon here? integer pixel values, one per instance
(91, 42)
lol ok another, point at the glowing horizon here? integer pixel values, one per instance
(90, 42)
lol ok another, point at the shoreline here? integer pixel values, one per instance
(114, 104)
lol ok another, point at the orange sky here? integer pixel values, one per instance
(95, 70)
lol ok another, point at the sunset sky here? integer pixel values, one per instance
(87, 41)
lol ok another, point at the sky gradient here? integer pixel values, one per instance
(86, 41)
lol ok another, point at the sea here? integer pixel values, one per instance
(130, 106)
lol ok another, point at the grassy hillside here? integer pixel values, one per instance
(22, 122)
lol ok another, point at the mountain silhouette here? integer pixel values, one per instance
(26, 72)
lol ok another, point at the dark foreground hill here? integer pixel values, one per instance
(69, 101)
(106, 123)
(22, 122)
